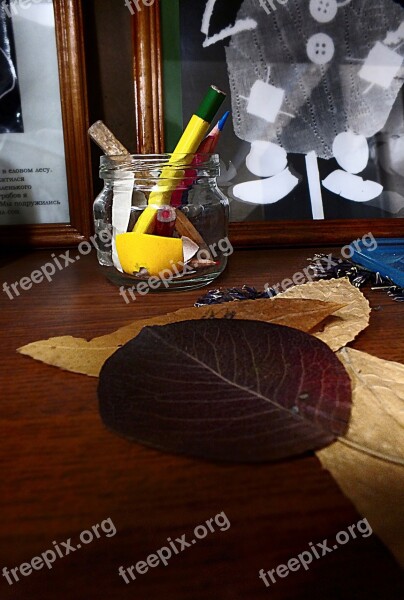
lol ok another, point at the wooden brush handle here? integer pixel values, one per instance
(185, 228)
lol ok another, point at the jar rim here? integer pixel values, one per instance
(146, 162)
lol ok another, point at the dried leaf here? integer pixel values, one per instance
(223, 389)
(377, 421)
(353, 317)
(87, 357)
(375, 487)
(72, 354)
(359, 462)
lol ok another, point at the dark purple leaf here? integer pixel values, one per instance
(229, 390)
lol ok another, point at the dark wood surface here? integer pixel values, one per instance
(62, 472)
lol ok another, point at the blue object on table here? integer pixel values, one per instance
(387, 259)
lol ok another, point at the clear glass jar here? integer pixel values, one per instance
(161, 221)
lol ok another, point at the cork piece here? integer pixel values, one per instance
(106, 140)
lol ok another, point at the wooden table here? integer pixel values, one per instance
(63, 472)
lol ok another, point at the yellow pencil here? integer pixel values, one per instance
(186, 148)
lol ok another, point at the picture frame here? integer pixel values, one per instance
(150, 93)
(74, 110)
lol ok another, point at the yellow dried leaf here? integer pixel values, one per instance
(361, 461)
(353, 317)
(377, 419)
(375, 487)
(87, 357)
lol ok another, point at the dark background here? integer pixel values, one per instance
(109, 52)
(204, 66)
(10, 104)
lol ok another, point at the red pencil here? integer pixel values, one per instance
(207, 146)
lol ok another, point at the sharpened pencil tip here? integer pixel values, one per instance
(223, 120)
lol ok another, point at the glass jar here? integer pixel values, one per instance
(161, 221)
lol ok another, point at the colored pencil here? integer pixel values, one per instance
(187, 147)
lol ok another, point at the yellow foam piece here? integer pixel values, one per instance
(138, 251)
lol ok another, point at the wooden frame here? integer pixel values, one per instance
(148, 77)
(71, 61)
